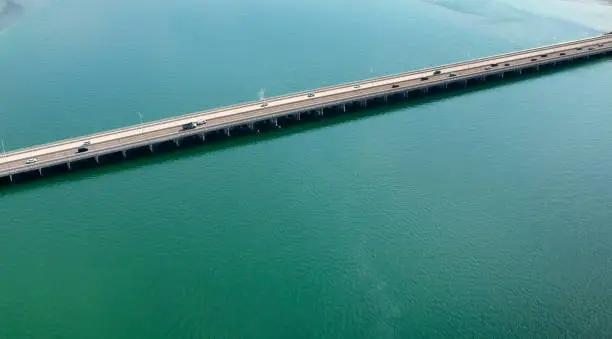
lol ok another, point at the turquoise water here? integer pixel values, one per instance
(486, 214)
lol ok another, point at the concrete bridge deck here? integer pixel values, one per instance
(225, 119)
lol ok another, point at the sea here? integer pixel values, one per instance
(481, 214)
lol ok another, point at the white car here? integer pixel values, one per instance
(201, 122)
(31, 161)
(86, 143)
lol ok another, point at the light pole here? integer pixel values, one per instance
(140, 117)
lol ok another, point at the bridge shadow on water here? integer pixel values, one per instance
(217, 141)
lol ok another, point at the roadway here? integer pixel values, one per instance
(105, 142)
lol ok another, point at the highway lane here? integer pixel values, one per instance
(285, 104)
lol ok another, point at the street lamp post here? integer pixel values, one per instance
(140, 117)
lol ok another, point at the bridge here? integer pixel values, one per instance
(99, 148)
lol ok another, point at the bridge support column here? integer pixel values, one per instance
(11, 177)
(97, 158)
(405, 95)
(40, 171)
(501, 75)
(483, 78)
(385, 99)
(426, 90)
(320, 111)
(520, 71)
(364, 103)
(227, 132)
(151, 148)
(537, 67)
(274, 122)
(177, 142)
(68, 164)
(465, 83)
(202, 136)
(298, 116)
(342, 108)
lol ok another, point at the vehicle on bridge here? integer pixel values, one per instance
(82, 149)
(201, 122)
(436, 72)
(189, 126)
(31, 161)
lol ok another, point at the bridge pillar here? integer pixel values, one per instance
(40, 171)
(202, 136)
(151, 148)
(405, 95)
(426, 90)
(537, 67)
(320, 111)
(298, 116)
(520, 71)
(124, 154)
(501, 75)
(385, 99)
(342, 108)
(364, 103)
(251, 126)
(68, 164)
(97, 158)
(177, 142)
(11, 177)
(465, 83)
(274, 122)
(227, 132)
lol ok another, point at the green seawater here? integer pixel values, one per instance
(486, 214)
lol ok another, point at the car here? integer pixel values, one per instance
(452, 75)
(310, 95)
(356, 86)
(599, 45)
(506, 65)
(82, 149)
(394, 86)
(31, 161)
(424, 78)
(436, 72)
(590, 48)
(561, 54)
(188, 126)
(488, 68)
(201, 122)
(87, 143)
(494, 65)
(264, 104)
(534, 59)
(544, 55)
(579, 49)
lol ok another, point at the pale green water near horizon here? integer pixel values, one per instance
(485, 215)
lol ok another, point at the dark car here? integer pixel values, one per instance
(436, 72)
(544, 55)
(190, 125)
(506, 65)
(82, 149)
(534, 59)
(424, 78)
(561, 54)
(494, 65)
(395, 86)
